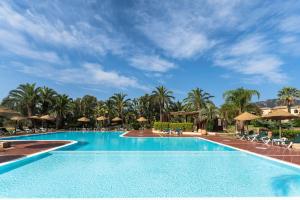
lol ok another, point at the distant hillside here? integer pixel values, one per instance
(272, 103)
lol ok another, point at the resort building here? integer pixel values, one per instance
(294, 110)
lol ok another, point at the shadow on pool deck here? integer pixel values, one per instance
(20, 149)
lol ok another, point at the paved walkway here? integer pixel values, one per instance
(20, 149)
(281, 153)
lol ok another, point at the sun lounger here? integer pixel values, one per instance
(167, 131)
(282, 142)
(178, 131)
(242, 136)
(295, 144)
(261, 137)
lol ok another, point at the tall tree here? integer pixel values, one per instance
(25, 95)
(163, 97)
(61, 108)
(47, 99)
(240, 98)
(197, 99)
(88, 105)
(209, 113)
(288, 95)
(120, 102)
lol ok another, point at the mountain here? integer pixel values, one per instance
(272, 103)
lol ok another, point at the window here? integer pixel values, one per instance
(296, 111)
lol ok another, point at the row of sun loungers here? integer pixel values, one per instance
(264, 138)
(177, 131)
(97, 129)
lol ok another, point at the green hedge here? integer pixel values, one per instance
(166, 125)
(287, 133)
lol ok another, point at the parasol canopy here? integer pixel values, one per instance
(34, 117)
(279, 115)
(83, 119)
(47, 117)
(17, 118)
(101, 118)
(116, 119)
(142, 119)
(6, 111)
(246, 117)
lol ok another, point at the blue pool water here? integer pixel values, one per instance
(106, 165)
(111, 141)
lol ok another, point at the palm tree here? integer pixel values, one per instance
(209, 113)
(197, 99)
(61, 108)
(120, 102)
(177, 106)
(288, 95)
(25, 95)
(47, 98)
(240, 98)
(163, 97)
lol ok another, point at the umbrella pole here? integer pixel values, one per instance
(279, 128)
(16, 126)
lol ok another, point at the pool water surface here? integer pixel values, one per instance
(107, 165)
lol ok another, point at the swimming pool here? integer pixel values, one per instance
(107, 165)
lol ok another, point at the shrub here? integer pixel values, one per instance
(166, 125)
(286, 133)
(296, 123)
(135, 125)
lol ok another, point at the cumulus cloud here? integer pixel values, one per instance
(151, 63)
(79, 34)
(88, 73)
(250, 56)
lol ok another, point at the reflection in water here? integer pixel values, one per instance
(286, 185)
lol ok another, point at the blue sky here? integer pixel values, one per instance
(102, 47)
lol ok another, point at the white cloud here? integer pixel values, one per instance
(290, 24)
(56, 32)
(250, 56)
(179, 32)
(151, 63)
(16, 44)
(87, 74)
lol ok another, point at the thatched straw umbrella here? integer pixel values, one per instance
(142, 120)
(101, 119)
(47, 118)
(116, 119)
(6, 112)
(83, 120)
(279, 115)
(245, 117)
(34, 118)
(17, 119)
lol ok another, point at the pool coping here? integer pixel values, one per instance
(252, 153)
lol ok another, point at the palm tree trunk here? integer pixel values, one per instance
(160, 113)
(289, 107)
(29, 111)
